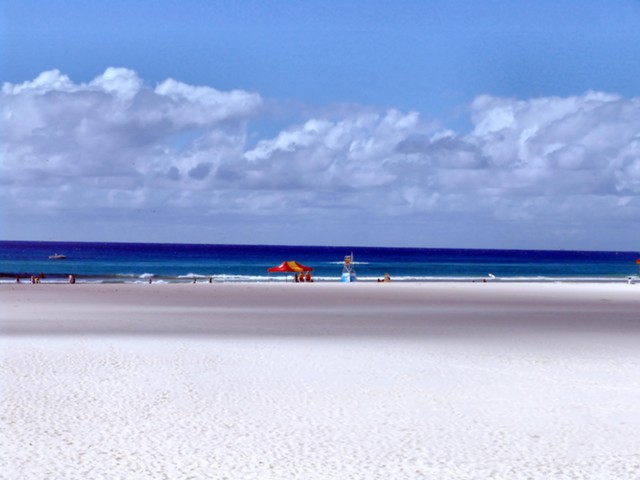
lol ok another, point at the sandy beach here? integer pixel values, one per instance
(285, 381)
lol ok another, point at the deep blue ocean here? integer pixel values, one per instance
(137, 262)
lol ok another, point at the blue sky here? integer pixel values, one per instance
(488, 124)
(433, 56)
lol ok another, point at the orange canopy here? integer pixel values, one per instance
(290, 266)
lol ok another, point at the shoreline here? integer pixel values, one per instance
(25, 278)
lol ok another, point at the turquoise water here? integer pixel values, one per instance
(136, 262)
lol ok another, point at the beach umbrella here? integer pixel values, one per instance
(290, 266)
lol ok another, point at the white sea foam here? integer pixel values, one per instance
(355, 262)
(193, 275)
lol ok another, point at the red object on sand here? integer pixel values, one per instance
(290, 266)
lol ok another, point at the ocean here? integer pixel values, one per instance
(139, 262)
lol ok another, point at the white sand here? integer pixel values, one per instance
(464, 381)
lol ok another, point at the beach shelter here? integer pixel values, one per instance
(290, 266)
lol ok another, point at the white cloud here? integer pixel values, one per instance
(570, 165)
(120, 82)
(326, 155)
(45, 82)
(114, 133)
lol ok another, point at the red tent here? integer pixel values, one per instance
(290, 266)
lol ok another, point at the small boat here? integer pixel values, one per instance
(57, 256)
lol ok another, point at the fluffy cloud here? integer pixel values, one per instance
(113, 132)
(568, 166)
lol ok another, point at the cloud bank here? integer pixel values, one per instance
(537, 173)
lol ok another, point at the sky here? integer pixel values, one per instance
(462, 124)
